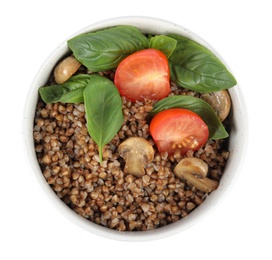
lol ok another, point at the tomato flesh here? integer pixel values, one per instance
(143, 75)
(178, 129)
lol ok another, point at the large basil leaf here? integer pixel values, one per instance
(69, 92)
(200, 107)
(103, 107)
(196, 68)
(105, 49)
(163, 43)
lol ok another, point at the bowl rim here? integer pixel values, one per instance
(233, 167)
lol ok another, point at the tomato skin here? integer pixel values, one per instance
(178, 129)
(144, 74)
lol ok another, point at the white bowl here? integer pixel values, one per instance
(237, 141)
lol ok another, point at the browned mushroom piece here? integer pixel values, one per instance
(65, 69)
(137, 152)
(220, 102)
(194, 171)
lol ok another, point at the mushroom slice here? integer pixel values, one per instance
(194, 171)
(65, 69)
(137, 153)
(220, 102)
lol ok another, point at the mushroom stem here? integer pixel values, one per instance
(201, 183)
(135, 165)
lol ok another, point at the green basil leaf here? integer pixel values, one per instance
(195, 67)
(197, 105)
(69, 92)
(105, 49)
(103, 107)
(163, 43)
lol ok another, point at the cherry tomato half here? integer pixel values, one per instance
(143, 74)
(178, 129)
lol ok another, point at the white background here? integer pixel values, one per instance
(241, 226)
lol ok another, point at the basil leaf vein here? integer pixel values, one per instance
(103, 107)
(197, 105)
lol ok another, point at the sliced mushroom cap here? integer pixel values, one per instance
(220, 101)
(65, 69)
(194, 171)
(137, 152)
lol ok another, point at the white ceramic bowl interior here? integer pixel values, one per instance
(237, 142)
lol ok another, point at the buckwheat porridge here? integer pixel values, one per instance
(128, 187)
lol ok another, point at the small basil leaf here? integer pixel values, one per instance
(163, 43)
(103, 107)
(105, 49)
(200, 107)
(195, 67)
(69, 92)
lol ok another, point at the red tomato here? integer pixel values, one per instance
(178, 129)
(143, 74)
